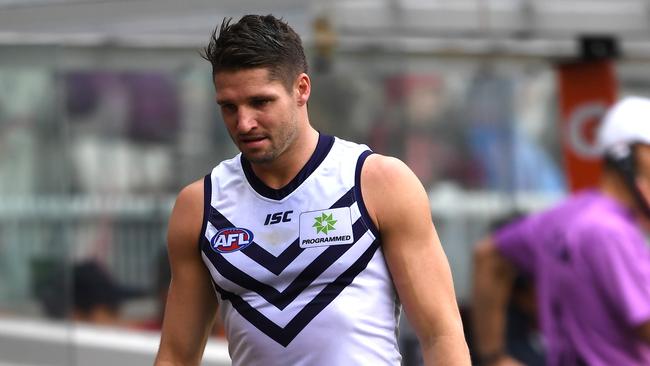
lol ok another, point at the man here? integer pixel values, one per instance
(95, 296)
(290, 237)
(98, 298)
(587, 256)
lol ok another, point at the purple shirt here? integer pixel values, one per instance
(591, 266)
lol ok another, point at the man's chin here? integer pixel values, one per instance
(259, 158)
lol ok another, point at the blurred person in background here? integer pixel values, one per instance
(94, 295)
(163, 275)
(507, 158)
(420, 123)
(588, 257)
(291, 228)
(98, 298)
(522, 338)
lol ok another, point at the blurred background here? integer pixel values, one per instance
(106, 111)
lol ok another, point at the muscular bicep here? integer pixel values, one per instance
(399, 206)
(191, 303)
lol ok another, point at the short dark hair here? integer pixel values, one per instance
(257, 41)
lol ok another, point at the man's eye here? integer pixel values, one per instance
(261, 102)
(228, 108)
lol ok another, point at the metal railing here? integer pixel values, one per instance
(39, 234)
(127, 235)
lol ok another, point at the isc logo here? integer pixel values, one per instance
(272, 219)
(231, 239)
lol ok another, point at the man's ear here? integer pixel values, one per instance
(303, 89)
(642, 178)
(643, 185)
(643, 188)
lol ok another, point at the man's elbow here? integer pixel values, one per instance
(448, 348)
(177, 356)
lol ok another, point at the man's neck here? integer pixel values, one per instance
(613, 186)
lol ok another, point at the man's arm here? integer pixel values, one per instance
(493, 280)
(643, 331)
(191, 302)
(398, 205)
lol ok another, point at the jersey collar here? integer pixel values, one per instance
(323, 147)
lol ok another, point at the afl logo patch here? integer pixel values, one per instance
(231, 239)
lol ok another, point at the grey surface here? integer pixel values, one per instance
(537, 27)
(38, 343)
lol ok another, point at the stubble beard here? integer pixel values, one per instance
(279, 144)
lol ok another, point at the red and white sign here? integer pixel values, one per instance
(586, 90)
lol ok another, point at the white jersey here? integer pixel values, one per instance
(300, 273)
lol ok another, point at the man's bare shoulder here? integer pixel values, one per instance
(380, 169)
(388, 185)
(191, 194)
(187, 216)
(385, 174)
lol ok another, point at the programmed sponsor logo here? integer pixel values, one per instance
(326, 239)
(231, 239)
(326, 227)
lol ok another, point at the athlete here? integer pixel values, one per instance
(588, 257)
(307, 244)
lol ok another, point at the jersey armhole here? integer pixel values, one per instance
(359, 197)
(207, 198)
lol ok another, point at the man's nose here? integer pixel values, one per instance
(245, 120)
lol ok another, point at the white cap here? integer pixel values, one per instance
(627, 122)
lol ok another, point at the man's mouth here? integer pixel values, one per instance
(251, 140)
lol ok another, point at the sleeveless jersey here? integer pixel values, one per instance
(299, 272)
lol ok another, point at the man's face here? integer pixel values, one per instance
(259, 113)
(642, 164)
(642, 156)
(642, 160)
